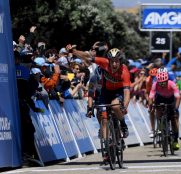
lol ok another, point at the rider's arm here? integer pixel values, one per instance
(85, 55)
(90, 107)
(91, 92)
(126, 97)
(177, 103)
(152, 95)
(126, 85)
(153, 91)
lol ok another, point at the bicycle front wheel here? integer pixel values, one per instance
(111, 144)
(164, 132)
(120, 144)
(157, 134)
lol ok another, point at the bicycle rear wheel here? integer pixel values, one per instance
(171, 139)
(111, 144)
(164, 132)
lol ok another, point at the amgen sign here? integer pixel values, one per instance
(161, 18)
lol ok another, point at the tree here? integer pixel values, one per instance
(80, 22)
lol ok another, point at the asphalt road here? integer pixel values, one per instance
(137, 159)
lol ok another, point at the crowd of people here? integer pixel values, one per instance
(101, 72)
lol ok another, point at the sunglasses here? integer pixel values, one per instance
(162, 83)
(115, 60)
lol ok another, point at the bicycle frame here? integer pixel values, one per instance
(112, 145)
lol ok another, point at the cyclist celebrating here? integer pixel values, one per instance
(166, 91)
(115, 81)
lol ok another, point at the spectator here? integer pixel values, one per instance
(37, 89)
(63, 57)
(49, 79)
(176, 60)
(139, 86)
(25, 103)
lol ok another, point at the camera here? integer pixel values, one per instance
(100, 48)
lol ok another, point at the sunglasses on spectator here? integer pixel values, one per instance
(142, 73)
(77, 68)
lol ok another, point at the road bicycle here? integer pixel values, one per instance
(167, 137)
(112, 145)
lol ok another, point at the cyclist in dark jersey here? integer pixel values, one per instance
(116, 80)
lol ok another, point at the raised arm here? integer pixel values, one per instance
(84, 55)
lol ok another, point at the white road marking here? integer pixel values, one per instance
(153, 169)
(150, 171)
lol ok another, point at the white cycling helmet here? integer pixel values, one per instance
(114, 53)
(162, 69)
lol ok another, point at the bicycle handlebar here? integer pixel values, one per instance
(106, 105)
(163, 104)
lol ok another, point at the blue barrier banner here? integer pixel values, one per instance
(161, 18)
(61, 120)
(78, 127)
(91, 124)
(10, 144)
(47, 137)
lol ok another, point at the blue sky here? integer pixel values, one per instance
(132, 3)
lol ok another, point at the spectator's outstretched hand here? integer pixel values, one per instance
(32, 29)
(57, 69)
(70, 47)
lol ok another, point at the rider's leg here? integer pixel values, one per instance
(175, 128)
(104, 123)
(117, 110)
(120, 116)
(152, 123)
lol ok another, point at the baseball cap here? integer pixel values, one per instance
(40, 61)
(63, 50)
(35, 71)
(62, 61)
(77, 60)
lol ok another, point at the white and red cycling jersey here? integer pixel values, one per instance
(170, 90)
